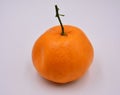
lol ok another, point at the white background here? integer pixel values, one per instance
(23, 21)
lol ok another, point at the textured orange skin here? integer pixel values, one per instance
(60, 58)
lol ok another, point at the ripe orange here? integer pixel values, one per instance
(62, 58)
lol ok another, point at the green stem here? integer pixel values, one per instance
(58, 16)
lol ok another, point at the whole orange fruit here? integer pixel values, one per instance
(62, 58)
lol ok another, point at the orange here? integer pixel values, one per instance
(62, 58)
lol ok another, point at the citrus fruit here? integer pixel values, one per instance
(62, 56)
